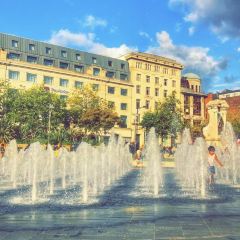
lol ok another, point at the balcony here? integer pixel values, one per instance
(192, 92)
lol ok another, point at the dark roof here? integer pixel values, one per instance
(229, 91)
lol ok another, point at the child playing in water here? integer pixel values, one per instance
(212, 158)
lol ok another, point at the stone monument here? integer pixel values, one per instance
(217, 111)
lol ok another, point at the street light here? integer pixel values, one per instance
(51, 107)
(136, 124)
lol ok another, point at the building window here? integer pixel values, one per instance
(63, 65)
(147, 104)
(63, 54)
(148, 66)
(138, 89)
(186, 104)
(138, 101)
(111, 90)
(31, 77)
(95, 87)
(123, 121)
(165, 71)
(174, 83)
(13, 75)
(31, 47)
(138, 77)
(94, 60)
(14, 56)
(123, 106)
(111, 104)
(192, 87)
(165, 93)
(165, 82)
(48, 50)
(63, 82)
(48, 62)
(123, 76)
(157, 92)
(110, 74)
(63, 97)
(138, 65)
(122, 66)
(196, 87)
(199, 88)
(32, 59)
(96, 71)
(14, 43)
(79, 68)
(157, 68)
(148, 79)
(48, 80)
(110, 63)
(147, 91)
(156, 105)
(197, 105)
(78, 84)
(124, 92)
(156, 80)
(78, 57)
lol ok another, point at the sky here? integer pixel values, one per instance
(203, 35)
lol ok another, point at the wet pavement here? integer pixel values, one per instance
(122, 212)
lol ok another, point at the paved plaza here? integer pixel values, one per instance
(122, 213)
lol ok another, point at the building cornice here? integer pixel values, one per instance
(155, 59)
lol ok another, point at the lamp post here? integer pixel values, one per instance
(136, 124)
(51, 107)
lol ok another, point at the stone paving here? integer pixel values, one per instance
(120, 215)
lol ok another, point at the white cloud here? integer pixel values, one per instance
(146, 35)
(87, 42)
(221, 16)
(219, 84)
(191, 31)
(195, 59)
(92, 22)
(238, 49)
(191, 17)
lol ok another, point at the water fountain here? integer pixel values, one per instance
(93, 169)
(191, 164)
(152, 173)
(93, 191)
(230, 155)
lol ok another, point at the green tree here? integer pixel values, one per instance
(7, 127)
(90, 114)
(30, 111)
(166, 119)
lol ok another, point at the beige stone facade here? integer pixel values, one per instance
(153, 78)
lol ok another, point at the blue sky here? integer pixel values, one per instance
(204, 35)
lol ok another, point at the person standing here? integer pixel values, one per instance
(132, 148)
(212, 159)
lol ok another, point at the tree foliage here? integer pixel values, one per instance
(90, 113)
(6, 126)
(233, 117)
(26, 114)
(166, 119)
